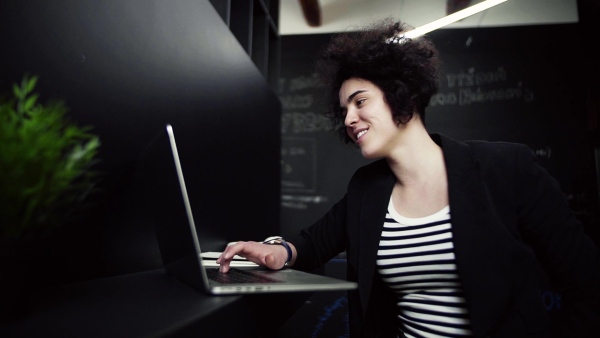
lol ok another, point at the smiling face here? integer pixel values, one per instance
(368, 118)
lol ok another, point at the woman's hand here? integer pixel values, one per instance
(271, 256)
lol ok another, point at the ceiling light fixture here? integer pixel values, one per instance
(422, 30)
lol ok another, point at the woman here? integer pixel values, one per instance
(444, 238)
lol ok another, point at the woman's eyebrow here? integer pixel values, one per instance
(354, 94)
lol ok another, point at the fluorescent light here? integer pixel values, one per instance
(422, 30)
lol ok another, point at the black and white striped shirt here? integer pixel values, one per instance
(416, 260)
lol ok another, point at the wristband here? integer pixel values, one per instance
(278, 240)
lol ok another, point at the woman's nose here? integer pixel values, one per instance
(351, 118)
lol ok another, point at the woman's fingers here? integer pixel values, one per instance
(261, 254)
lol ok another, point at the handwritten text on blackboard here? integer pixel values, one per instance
(472, 86)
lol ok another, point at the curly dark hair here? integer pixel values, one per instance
(406, 72)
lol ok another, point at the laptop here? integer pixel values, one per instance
(178, 241)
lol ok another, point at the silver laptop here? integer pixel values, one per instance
(177, 236)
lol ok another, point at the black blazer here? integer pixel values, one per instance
(513, 234)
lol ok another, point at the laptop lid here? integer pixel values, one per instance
(177, 232)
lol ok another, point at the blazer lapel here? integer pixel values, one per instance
(476, 235)
(374, 204)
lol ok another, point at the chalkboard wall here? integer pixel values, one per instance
(516, 84)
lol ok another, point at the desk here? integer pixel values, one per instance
(150, 304)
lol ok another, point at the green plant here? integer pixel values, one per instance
(45, 162)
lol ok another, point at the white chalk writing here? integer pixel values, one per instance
(304, 123)
(303, 82)
(543, 152)
(470, 88)
(301, 201)
(472, 78)
(296, 101)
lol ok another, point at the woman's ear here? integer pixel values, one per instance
(403, 119)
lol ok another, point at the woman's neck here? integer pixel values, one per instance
(416, 159)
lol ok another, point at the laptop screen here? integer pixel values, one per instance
(168, 203)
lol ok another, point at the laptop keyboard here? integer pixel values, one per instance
(238, 276)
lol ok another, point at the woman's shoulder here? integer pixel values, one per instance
(483, 149)
(485, 145)
(498, 148)
(495, 155)
(504, 157)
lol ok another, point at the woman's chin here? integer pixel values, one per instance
(368, 155)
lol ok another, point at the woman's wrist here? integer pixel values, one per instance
(278, 240)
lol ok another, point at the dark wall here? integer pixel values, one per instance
(516, 84)
(128, 67)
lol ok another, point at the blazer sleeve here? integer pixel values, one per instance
(323, 240)
(570, 258)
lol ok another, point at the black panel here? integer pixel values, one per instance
(241, 22)
(127, 68)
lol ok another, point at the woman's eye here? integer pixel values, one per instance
(360, 101)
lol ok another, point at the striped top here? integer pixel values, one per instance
(416, 260)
